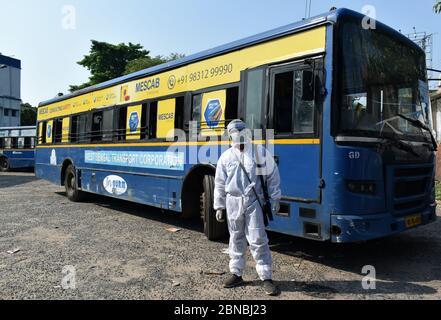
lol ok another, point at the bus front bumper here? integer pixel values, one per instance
(347, 229)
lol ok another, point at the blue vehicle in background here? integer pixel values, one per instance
(17, 148)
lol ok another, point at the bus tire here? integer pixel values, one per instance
(4, 164)
(214, 230)
(70, 184)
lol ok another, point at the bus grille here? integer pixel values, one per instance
(411, 189)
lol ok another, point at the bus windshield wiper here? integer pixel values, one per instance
(418, 124)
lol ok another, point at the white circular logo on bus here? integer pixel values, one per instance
(115, 185)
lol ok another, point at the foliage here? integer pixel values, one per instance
(28, 115)
(107, 61)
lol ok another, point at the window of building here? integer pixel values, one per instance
(14, 113)
(6, 112)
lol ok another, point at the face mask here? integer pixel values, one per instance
(240, 138)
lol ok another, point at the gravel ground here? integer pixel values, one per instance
(121, 250)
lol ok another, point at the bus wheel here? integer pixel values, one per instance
(70, 183)
(214, 230)
(4, 165)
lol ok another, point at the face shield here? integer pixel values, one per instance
(240, 137)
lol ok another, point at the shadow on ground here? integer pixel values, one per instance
(402, 262)
(12, 180)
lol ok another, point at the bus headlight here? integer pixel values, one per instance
(362, 187)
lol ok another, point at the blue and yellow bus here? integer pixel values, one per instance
(17, 148)
(348, 108)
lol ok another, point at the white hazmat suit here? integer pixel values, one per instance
(234, 193)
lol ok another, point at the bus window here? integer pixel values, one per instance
(179, 113)
(14, 143)
(121, 122)
(28, 143)
(8, 143)
(2, 143)
(292, 114)
(153, 120)
(80, 129)
(73, 136)
(97, 126)
(144, 121)
(42, 133)
(20, 143)
(231, 109)
(254, 98)
(197, 108)
(58, 130)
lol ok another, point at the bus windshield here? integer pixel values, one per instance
(380, 79)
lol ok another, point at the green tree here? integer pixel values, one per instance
(107, 61)
(144, 63)
(437, 6)
(28, 115)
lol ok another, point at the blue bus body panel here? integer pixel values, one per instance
(19, 159)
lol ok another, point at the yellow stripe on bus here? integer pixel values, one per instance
(184, 144)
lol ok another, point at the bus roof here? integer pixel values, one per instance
(18, 128)
(331, 16)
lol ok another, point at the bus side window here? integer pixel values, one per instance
(58, 130)
(121, 124)
(179, 113)
(293, 114)
(42, 133)
(73, 136)
(231, 109)
(14, 143)
(144, 121)
(28, 143)
(83, 128)
(153, 120)
(97, 126)
(8, 143)
(255, 81)
(2, 143)
(102, 126)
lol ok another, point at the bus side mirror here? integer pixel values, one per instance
(307, 85)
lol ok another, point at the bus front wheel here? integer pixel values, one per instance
(4, 165)
(214, 230)
(70, 183)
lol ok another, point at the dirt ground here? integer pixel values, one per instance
(110, 249)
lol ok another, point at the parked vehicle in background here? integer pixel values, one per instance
(17, 148)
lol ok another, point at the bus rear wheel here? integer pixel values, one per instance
(214, 230)
(4, 165)
(70, 183)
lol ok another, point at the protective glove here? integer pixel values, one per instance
(275, 206)
(220, 216)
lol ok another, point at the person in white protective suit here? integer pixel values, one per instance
(242, 198)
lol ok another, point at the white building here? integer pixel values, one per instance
(10, 84)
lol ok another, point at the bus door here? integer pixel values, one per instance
(295, 116)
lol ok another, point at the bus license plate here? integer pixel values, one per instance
(413, 221)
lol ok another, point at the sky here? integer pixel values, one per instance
(49, 44)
